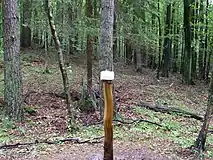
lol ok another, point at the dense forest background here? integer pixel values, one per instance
(160, 52)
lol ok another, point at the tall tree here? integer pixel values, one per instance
(167, 43)
(202, 42)
(62, 66)
(12, 71)
(106, 39)
(26, 18)
(159, 42)
(89, 49)
(187, 59)
(206, 44)
(106, 61)
(201, 139)
(115, 32)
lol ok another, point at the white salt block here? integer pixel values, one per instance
(107, 75)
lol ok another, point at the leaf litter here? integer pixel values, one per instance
(49, 120)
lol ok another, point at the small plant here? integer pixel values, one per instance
(88, 103)
(5, 126)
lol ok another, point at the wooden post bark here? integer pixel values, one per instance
(107, 77)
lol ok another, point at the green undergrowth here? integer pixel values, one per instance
(5, 126)
(180, 131)
(1, 84)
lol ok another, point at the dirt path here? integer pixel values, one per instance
(130, 151)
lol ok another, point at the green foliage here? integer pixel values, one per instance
(5, 126)
(29, 110)
(88, 132)
(87, 103)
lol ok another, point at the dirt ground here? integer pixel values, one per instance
(130, 88)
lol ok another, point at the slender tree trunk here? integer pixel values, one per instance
(182, 53)
(25, 29)
(159, 42)
(201, 139)
(206, 42)
(193, 49)
(61, 64)
(175, 42)
(89, 51)
(115, 33)
(106, 63)
(167, 44)
(128, 51)
(12, 70)
(187, 74)
(202, 43)
(106, 41)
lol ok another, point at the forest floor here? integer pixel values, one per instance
(45, 117)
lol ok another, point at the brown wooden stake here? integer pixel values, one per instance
(108, 117)
(107, 77)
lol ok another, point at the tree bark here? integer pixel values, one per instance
(159, 43)
(187, 59)
(115, 55)
(25, 29)
(106, 42)
(201, 43)
(201, 139)
(167, 44)
(61, 64)
(89, 50)
(12, 70)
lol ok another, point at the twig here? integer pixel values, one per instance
(128, 121)
(138, 121)
(74, 140)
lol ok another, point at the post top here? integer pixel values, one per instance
(107, 75)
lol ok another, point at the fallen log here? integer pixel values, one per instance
(74, 140)
(169, 110)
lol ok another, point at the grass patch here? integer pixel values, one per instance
(5, 126)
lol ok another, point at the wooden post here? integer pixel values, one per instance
(107, 77)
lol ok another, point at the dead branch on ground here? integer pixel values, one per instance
(73, 140)
(169, 110)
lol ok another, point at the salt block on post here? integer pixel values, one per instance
(107, 77)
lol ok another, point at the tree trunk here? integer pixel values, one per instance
(115, 33)
(106, 41)
(167, 44)
(187, 59)
(201, 139)
(12, 71)
(193, 48)
(206, 42)
(159, 43)
(61, 64)
(25, 29)
(201, 44)
(89, 51)
(106, 63)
